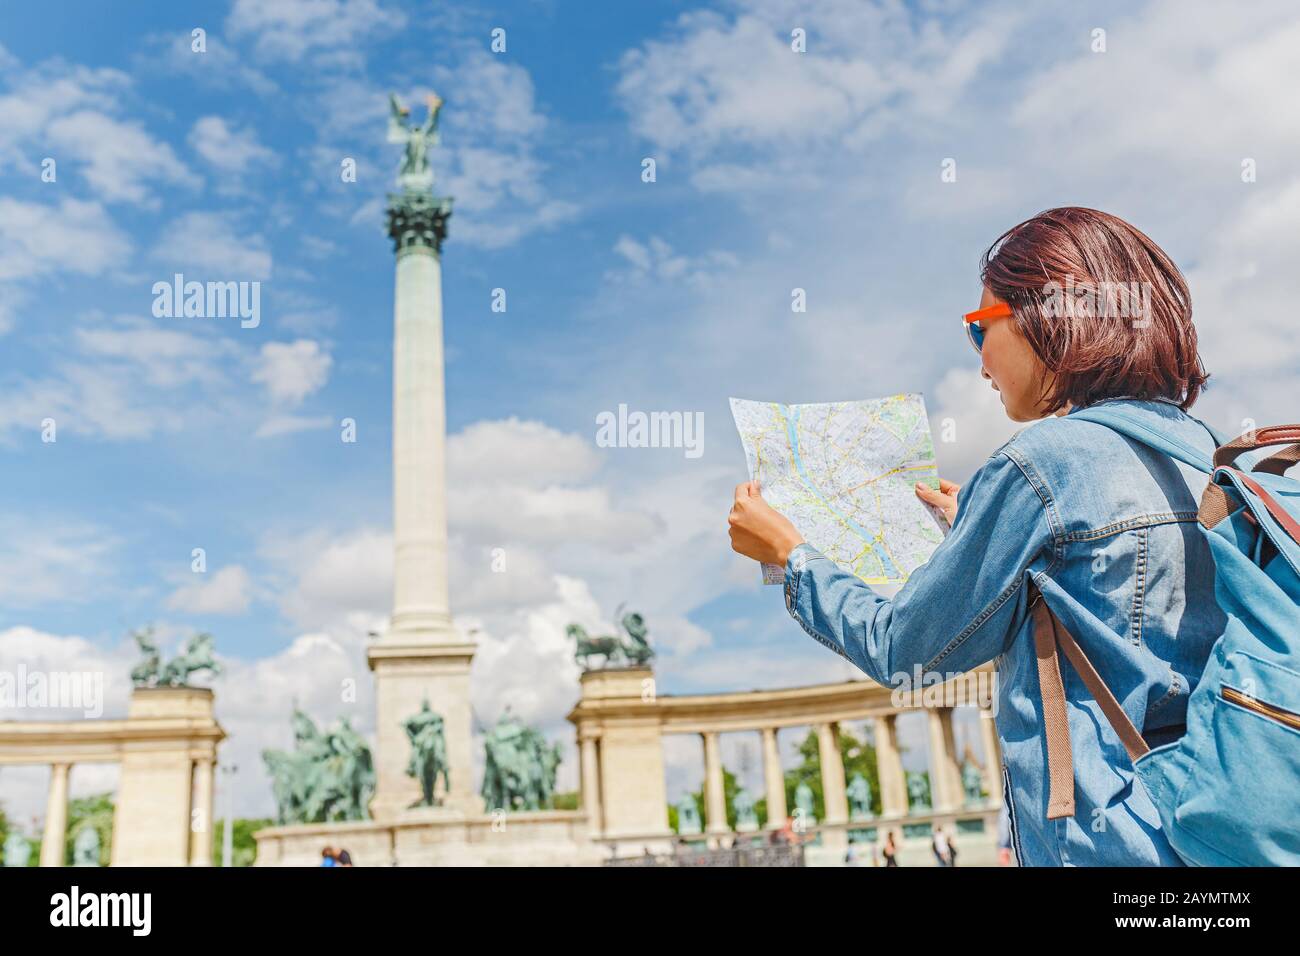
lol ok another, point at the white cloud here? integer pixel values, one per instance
(37, 239)
(211, 243)
(218, 66)
(120, 158)
(291, 371)
(47, 558)
(229, 149)
(292, 29)
(127, 379)
(278, 425)
(226, 591)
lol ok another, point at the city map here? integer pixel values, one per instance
(844, 473)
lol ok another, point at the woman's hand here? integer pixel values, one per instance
(945, 499)
(758, 530)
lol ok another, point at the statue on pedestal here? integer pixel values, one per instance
(18, 849)
(151, 672)
(329, 776)
(428, 754)
(688, 816)
(746, 814)
(85, 848)
(918, 792)
(859, 794)
(972, 782)
(519, 766)
(414, 172)
(805, 804)
(634, 651)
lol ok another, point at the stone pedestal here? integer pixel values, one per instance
(405, 676)
(173, 733)
(618, 709)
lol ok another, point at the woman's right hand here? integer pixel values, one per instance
(945, 499)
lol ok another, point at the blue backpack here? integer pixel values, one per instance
(1228, 791)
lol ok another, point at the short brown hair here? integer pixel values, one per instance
(1046, 266)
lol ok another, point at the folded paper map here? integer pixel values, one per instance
(845, 474)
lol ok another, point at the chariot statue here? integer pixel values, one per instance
(151, 672)
(614, 650)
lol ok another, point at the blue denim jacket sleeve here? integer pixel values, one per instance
(956, 611)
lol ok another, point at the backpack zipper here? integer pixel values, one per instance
(1268, 711)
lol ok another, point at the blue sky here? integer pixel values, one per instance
(775, 170)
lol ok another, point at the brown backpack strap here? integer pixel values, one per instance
(1262, 438)
(1049, 633)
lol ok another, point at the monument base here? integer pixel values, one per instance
(432, 838)
(406, 675)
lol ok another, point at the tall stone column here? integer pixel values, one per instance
(889, 767)
(589, 756)
(774, 780)
(715, 797)
(420, 657)
(992, 757)
(833, 790)
(201, 839)
(56, 816)
(945, 777)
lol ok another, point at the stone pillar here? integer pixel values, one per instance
(774, 780)
(420, 657)
(152, 822)
(589, 755)
(715, 797)
(889, 767)
(992, 758)
(945, 776)
(201, 838)
(616, 707)
(833, 791)
(56, 816)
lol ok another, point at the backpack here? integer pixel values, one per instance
(1227, 791)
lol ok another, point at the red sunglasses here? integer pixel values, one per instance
(975, 331)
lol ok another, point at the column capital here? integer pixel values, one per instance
(417, 220)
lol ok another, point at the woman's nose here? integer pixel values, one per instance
(984, 373)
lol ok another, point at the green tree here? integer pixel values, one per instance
(243, 848)
(565, 801)
(94, 811)
(857, 755)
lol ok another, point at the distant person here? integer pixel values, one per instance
(343, 858)
(939, 844)
(891, 850)
(327, 857)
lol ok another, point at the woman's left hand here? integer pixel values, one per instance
(758, 530)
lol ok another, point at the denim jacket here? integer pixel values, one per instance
(1107, 530)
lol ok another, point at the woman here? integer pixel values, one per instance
(1103, 527)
